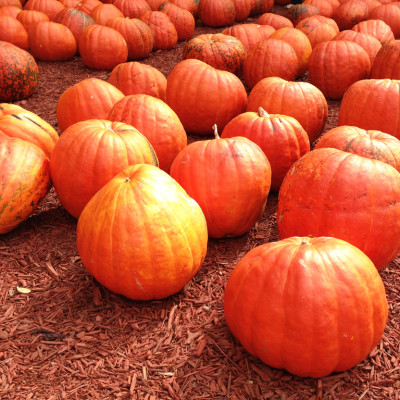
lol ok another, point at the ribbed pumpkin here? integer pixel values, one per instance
(369, 43)
(12, 31)
(242, 9)
(372, 104)
(89, 154)
(137, 78)
(318, 29)
(312, 306)
(24, 180)
(282, 139)
(191, 5)
(299, 11)
(103, 12)
(51, 41)
(165, 36)
(386, 63)
(367, 143)
(300, 100)
(275, 20)
(15, 121)
(156, 121)
(132, 9)
(270, 57)
(87, 99)
(13, 3)
(49, 7)
(137, 34)
(221, 51)
(155, 4)
(11, 11)
(350, 13)
(87, 5)
(229, 178)
(376, 28)
(203, 96)
(141, 235)
(390, 14)
(329, 192)
(102, 47)
(182, 19)
(30, 17)
(335, 65)
(300, 43)
(325, 7)
(18, 73)
(217, 13)
(249, 34)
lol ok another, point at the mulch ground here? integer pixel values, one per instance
(70, 338)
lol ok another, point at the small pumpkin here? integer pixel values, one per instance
(182, 19)
(376, 28)
(275, 20)
(122, 247)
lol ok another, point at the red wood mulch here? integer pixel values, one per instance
(70, 338)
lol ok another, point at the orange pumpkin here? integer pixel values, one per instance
(12, 31)
(299, 11)
(156, 121)
(390, 14)
(318, 29)
(49, 7)
(217, 13)
(386, 63)
(122, 247)
(325, 7)
(132, 9)
(275, 20)
(241, 184)
(376, 28)
(21, 192)
(329, 192)
(182, 19)
(11, 11)
(87, 99)
(310, 305)
(104, 12)
(89, 154)
(242, 9)
(30, 17)
(350, 13)
(191, 5)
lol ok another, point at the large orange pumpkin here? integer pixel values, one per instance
(141, 235)
(217, 13)
(376, 28)
(329, 192)
(24, 180)
(182, 19)
(203, 96)
(229, 178)
(49, 7)
(312, 306)
(318, 29)
(89, 154)
(12, 31)
(30, 17)
(386, 63)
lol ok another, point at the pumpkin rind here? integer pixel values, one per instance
(310, 305)
(122, 247)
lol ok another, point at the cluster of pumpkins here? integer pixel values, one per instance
(146, 201)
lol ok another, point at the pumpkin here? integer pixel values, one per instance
(249, 34)
(15, 121)
(51, 41)
(87, 5)
(137, 34)
(165, 35)
(282, 139)
(325, 7)
(13, 3)
(103, 12)
(335, 65)
(137, 78)
(299, 12)
(203, 96)
(350, 13)
(12, 31)
(49, 7)
(270, 57)
(89, 154)
(390, 14)
(76, 21)
(217, 13)
(300, 43)
(372, 104)
(242, 9)
(30, 17)
(155, 4)
(18, 73)
(233, 172)
(182, 19)
(376, 28)
(24, 180)
(102, 47)
(11, 11)
(275, 20)
(221, 51)
(329, 192)
(91, 98)
(386, 63)
(367, 143)
(122, 247)
(300, 100)
(369, 43)
(156, 121)
(312, 306)
(132, 9)
(318, 29)
(190, 5)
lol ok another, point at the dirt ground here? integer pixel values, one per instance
(70, 338)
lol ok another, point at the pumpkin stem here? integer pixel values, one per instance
(262, 112)
(216, 131)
